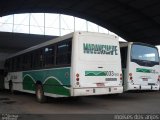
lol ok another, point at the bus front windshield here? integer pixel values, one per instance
(142, 53)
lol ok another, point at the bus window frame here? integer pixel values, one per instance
(143, 62)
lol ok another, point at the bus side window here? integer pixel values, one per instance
(37, 59)
(63, 53)
(21, 62)
(10, 65)
(6, 66)
(69, 52)
(14, 64)
(18, 64)
(49, 54)
(124, 56)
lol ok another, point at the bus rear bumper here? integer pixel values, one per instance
(145, 87)
(155, 87)
(142, 87)
(97, 91)
(133, 87)
(149, 87)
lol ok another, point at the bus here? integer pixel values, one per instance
(77, 64)
(140, 66)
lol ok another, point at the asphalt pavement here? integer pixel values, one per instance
(90, 107)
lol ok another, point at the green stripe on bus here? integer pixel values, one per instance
(28, 83)
(143, 70)
(56, 81)
(95, 73)
(53, 86)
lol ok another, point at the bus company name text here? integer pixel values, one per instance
(99, 49)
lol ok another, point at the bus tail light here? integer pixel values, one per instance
(159, 78)
(77, 75)
(130, 76)
(121, 76)
(77, 79)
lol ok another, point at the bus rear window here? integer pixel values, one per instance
(144, 55)
(140, 52)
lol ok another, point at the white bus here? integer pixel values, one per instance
(77, 64)
(140, 66)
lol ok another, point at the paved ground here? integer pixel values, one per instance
(136, 102)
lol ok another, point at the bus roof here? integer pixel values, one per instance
(124, 44)
(55, 40)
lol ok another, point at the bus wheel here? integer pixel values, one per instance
(40, 94)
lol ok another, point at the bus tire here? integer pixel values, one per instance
(40, 93)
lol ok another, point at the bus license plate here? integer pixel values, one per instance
(100, 85)
(145, 79)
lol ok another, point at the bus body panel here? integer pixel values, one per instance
(55, 81)
(98, 73)
(143, 77)
(16, 77)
